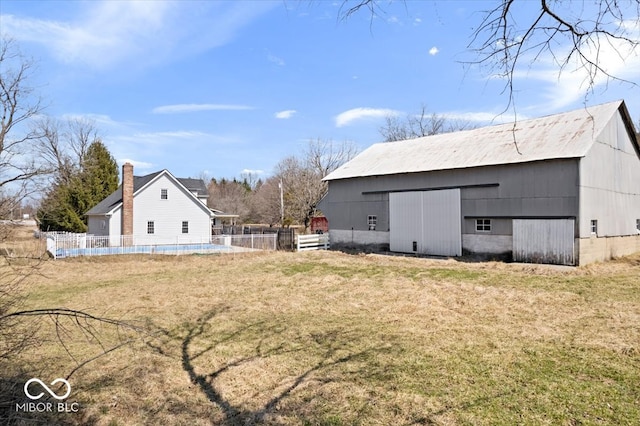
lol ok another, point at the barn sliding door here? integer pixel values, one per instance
(544, 241)
(426, 222)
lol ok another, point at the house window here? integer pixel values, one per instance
(483, 225)
(185, 227)
(164, 194)
(372, 221)
(638, 225)
(103, 224)
(594, 227)
(151, 227)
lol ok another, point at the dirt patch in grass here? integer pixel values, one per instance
(326, 338)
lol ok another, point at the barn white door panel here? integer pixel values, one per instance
(428, 219)
(442, 234)
(544, 241)
(405, 220)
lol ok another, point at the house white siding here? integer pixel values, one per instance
(168, 214)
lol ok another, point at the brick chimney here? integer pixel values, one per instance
(127, 199)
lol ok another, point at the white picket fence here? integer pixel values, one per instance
(61, 245)
(312, 242)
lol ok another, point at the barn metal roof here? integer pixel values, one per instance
(566, 135)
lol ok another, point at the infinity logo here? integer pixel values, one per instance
(52, 393)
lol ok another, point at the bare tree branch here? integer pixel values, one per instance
(419, 125)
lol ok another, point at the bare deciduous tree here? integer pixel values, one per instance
(560, 30)
(574, 34)
(419, 125)
(62, 145)
(18, 171)
(266, 201)
(229, 196)
(302, 176)
(17, 167)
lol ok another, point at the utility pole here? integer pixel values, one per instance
(281, 203)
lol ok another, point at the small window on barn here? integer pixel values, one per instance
(151, 227)
(594, 227)
(483, 225)
(372, 221)
(164, 194)
(638, 225)
(185, 227)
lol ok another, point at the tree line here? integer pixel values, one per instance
(291, 194)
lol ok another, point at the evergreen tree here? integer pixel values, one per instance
(64, 207)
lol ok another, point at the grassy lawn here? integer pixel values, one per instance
(327, 338)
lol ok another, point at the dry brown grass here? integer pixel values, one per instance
(326, 338)
(17, 240)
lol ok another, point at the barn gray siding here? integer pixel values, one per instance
(540, 189)
(610, 184)
(578, 166)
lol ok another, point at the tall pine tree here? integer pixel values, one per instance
(64, 207)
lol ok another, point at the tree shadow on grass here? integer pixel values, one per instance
(330, 344)
(339, 355)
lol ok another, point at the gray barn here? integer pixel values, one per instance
(560, 189)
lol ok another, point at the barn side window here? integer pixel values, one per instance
(151, 227)
(483, 225)
(185, 227)
(638, 225)
(594, 227)
(372, 221)
(164, 194)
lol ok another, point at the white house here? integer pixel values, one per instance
(154, 209)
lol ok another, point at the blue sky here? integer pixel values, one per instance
(221, 87)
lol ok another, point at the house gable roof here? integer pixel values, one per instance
(195, 185)
(114, 200)
(567, 135)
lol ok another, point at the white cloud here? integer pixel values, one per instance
(285, 114)
(275, 60)
(354, 114)
(152, 141)
(434, 51)
(136, 164)
(179, 108)
(417, 21)
(180, 134)
(103, 34)
(252, 172)
(101, 119)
